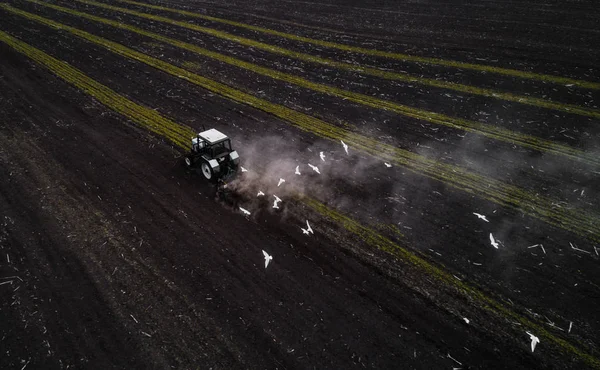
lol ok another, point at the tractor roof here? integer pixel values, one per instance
(212, 136)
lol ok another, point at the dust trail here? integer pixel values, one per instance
(344, 182)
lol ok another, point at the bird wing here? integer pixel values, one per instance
(492, 239)
(265, 254)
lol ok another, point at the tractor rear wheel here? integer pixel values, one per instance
(207, 171)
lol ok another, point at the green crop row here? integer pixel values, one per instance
(404, 77)
(378, 53)
(493, 132)
(578, 221)
(180, 134)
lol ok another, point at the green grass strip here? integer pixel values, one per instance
(493, 132)
(386, 54)
(180, 134)
(578, 221)
(144, 116)
(376, 240)
(404, 77)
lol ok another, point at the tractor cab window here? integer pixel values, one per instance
(222, 147)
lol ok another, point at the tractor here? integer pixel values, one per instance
(212, 156)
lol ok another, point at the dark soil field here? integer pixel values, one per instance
(461, 227)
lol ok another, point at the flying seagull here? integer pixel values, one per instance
(387, 165)
(534, 340)
(309, 228)
(246, 212)
(315, 168)
(481, 216)
(493, 241)
(281, 181)
(277, 200)
(322, 156)
(243, 169)
(267, 258)
(260, 193)
(345, 147)
(297, 170)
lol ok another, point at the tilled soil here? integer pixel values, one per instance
(113, 256)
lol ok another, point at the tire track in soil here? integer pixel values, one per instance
(562, 344)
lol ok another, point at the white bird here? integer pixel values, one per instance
(260, 193)
(246, 212)
(297, 170)
(309, 228)
(243, 169)
(322, 156)
(315, 168)
(387, 165)
(534, 340)
(305, 231)
(345, 147)
(493, 241)
(281, 181)
(466, 320)
(481, 216)
(277, 200)
(267, 258)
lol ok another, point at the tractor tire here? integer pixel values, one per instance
(188, 161)
(207, 171)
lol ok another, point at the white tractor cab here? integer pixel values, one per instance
(212, 155)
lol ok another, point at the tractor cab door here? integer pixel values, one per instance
(198, 144)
